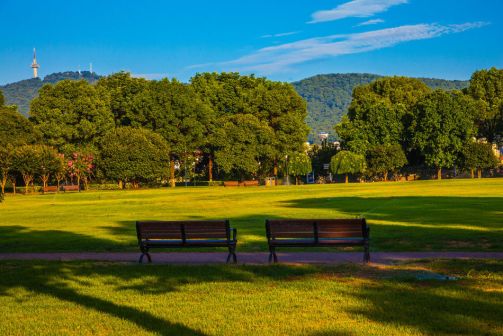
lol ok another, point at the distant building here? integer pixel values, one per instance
(34, 64)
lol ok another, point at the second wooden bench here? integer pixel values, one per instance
(317, 232)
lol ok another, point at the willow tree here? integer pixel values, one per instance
(346, 162)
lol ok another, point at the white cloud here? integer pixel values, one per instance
(355, 8)
(282, 57)
(150, 76)
(280, 34)
(371, 22)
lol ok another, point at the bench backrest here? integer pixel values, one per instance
(183, 230)
(70, 187)
(316, 228)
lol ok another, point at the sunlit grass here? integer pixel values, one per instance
(38, 298)
(422, 215)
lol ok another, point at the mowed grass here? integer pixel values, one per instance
(462, 215)
(75, 298)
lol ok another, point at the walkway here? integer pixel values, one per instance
(252, 258)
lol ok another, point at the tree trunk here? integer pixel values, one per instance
(386, 176)
(472, 174)
(296, 180)
(479, 173)
(13, 182)
(347, 179)
(27, 180)
(45, 179)
(210, 168)
(439, 173)
(78, 182)
(275, 171)
(4, 182)
(172, 173)
(120, 184)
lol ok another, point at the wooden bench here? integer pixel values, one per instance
(253, 183)
(71, 188)
(47, 189)
(168, 234)
(317, 232)
(231, 184)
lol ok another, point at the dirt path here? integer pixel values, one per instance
(252, 258)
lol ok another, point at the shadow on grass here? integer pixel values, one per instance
(384, 296)
(397, 224)
(422, 223)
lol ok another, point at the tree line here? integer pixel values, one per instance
(133, 130)
(397, 122)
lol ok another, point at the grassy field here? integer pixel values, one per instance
(462, 215)
(38, 298)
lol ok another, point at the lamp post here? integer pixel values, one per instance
(287, 179)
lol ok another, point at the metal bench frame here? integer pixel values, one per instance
(310, 235)
(229, 241)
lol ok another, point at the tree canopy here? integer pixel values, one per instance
(381, 113)
(444, 122)
(134, 155)
(346, 162)
(70, 113)
(486, 86)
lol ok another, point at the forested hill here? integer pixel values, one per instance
(328, 96)
(21, 93)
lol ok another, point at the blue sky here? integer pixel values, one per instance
(281, 39)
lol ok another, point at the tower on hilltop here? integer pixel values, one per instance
(34, 64)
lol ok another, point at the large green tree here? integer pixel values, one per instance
(274, 103)
(346, 162)
(382, 159)
(15, 129)
(50, 163)
(134, 155)
(70, 114)
(6, 165)
(444, 122)
(299, 164)
(381, 113)
(26, 161)
(486, 86)
(479, 156)
(124, 95)
(242, 145)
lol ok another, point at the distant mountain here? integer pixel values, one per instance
(21, 93)
(328, 96)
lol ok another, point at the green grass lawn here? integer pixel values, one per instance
(462, 215)
(42, 298)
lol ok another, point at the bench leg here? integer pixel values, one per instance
(366, 254)
(145, 253)
(272, 255)
(232, 254)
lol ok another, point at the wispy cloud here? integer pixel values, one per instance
(279, 58)
(150, 76)
(355, 8)
(280, 34)
(370, 22)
